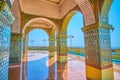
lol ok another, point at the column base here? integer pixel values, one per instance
(14, 72)
(51, 65)
(93, 73)
(51, 54)
(61, 70)
(62, 58)
(51, 72)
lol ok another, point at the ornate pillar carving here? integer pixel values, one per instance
(62, 57)
(98, 52)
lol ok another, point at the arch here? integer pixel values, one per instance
(66, 21)
(42, 19)
(29, 30)
(87, 11)
(52, 33)
(105, 10)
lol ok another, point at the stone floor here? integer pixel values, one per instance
(76, 67)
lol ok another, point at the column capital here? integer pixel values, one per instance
(2, 5)
(7, 15)
(97, 25)
(62, 36)
(51, 39)
(16, 36)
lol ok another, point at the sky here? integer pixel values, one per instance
(74, 28)
(36, 37)
(114, 19)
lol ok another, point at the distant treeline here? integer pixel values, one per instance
(68, 48)
(38, 48)
(77, 50)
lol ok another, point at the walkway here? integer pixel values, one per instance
(38, 65)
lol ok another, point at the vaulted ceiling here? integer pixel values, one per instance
(54, 1)
(47, 8)
(57, 9)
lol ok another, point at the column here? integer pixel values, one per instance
(24, 58)
(98, 52)
(62, 57)
(15, 56)
(6, 19)
(4, 50)
(51, 61)
(51, 46)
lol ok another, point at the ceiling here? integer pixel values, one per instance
(54, 1)
(47, 8)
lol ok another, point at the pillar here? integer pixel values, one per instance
(51, 60)
(24, 58)
(15, 56)
(98, 52)
(62, 57)
(6, 19)
(51, 46)
(4, 50)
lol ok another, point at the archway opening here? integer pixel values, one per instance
(75, 35)
(115, 38)
(38, 44)
(75, 45)
(37, 55)
(38, 39)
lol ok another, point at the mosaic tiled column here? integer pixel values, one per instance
(15, 48)
(98, 52)
(62, 57)
(51, 58)
(4, 50)
(15, 56)
(51, 46)
(6, 19)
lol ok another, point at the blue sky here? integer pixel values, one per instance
(74, 28)
(114, 19)
(38, 35)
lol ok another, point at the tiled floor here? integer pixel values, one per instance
(76, 68)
